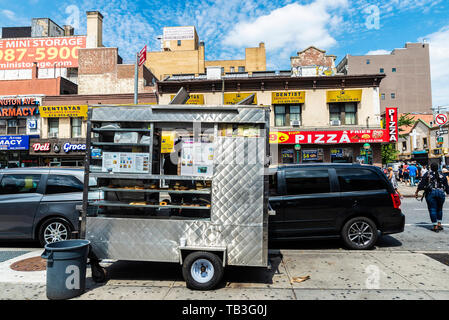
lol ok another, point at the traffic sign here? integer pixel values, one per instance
(142, 56)
(441, 119)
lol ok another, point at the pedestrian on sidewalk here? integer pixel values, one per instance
(406, 176)
(401, 173)
(424, 170)
(391, 176)
(434, 184)
(412, 171)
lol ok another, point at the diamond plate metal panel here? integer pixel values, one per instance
(149, 114)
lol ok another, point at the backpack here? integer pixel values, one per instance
(435, 181)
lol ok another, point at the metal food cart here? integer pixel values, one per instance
(229, 227)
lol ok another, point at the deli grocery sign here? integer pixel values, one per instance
(53, 147)
(47, 52)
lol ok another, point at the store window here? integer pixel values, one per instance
(343, 113)
(19, 183)
(287, 156)
(341, 155)
(287, 115)
(53, 127)
(76, 127)
(63, 184)
(307, 182)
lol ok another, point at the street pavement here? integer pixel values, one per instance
(410, 265)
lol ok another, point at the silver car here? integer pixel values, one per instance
(40, 203)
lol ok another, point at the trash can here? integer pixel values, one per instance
(66, 268)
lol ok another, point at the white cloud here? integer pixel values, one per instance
(378, 52)
(293, 26)
(439, 65)
(9, 14)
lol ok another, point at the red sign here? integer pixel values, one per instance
(41, 147)
(142, 56)
(441, 119)
(392, 123)
(329, 137)
(61, 52)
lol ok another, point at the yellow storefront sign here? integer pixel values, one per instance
(168, 141)
(193, 98)
(69, 111)
(344, 96)
(288, 97)
(233, 98)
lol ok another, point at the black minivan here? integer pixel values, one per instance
(316, 201)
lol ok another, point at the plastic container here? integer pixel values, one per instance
(66, 268)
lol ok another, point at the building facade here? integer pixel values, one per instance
(407, 84)
(313, 119)
(183, 53)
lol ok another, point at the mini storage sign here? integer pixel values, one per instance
(14, 142)
(72, 111)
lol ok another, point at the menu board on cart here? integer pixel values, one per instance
(125, 162)
(197, 158)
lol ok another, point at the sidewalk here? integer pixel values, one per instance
(334, 274)
(407, 191)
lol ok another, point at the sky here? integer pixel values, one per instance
(227, 27)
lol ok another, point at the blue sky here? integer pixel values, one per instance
(228, 26)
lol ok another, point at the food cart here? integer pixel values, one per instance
(182, 183)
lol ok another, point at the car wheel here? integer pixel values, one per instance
(202, 270)
(359, 233)
(53, 230)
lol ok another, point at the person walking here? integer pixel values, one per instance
(401, 173)
(424, 170)
(434, 184)
(405, 173)
(392, 177)
(412, 171)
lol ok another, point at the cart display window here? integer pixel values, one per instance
(129, 154)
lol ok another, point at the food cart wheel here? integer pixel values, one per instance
(202, 270)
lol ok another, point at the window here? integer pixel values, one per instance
(382, 70)
(241, 69)
(393, 96)
(53, 127)
(279, 116)
(222, 70)
(345, 112)
(393, 69)
(232, 69)
(382, 96)
(424, 142)
(404, 145)
(285, 114)
(359, 180)
(3, 126)
(76, 127)
(19, 183)
(63, 184)
(307, 182)
(368, 61)
(179, 43)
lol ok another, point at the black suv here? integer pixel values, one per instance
(319, 201)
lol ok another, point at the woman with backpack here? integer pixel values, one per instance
(434, 184)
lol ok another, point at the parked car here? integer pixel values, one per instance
(348, 201)
(40, 203)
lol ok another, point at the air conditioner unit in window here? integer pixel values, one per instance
(335, 122)
(295, 123)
